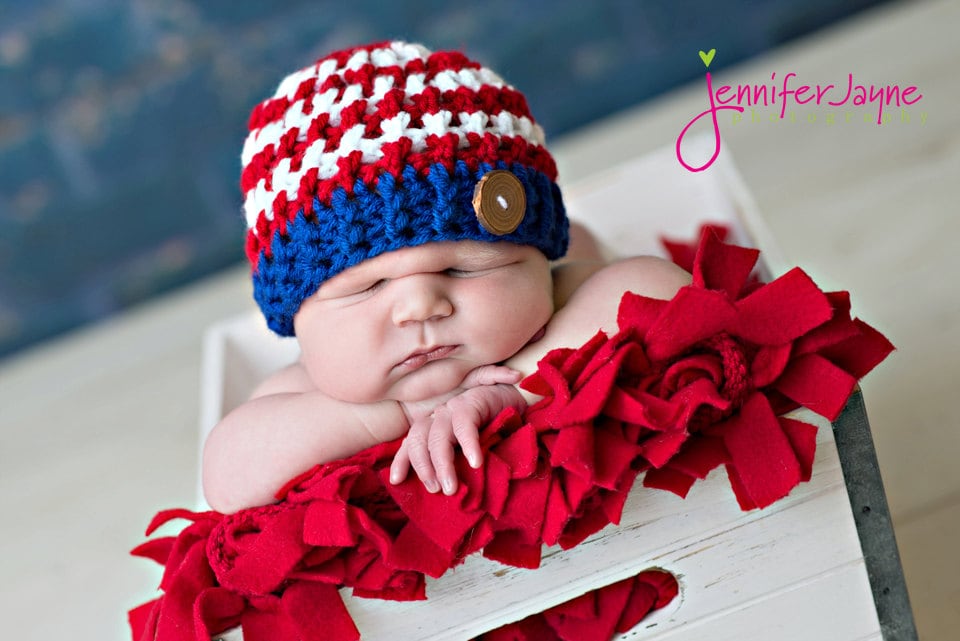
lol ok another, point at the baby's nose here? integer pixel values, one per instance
(419, 298)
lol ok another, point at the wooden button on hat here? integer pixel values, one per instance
(500, 202)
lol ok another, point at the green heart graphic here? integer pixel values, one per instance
(707, 57)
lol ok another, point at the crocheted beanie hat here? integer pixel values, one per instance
(382, 147)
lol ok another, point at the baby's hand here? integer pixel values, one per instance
(429, 444)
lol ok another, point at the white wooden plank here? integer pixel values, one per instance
(630, 206)
(832, 606)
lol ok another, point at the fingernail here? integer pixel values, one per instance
(432, 487)
(448, 487)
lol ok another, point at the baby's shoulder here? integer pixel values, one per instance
(292, 379)
(591, 282)
(646, 275)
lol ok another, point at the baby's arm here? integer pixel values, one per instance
(286, 428)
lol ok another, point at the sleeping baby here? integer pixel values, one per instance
(404, 224)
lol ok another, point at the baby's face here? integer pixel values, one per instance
(410, 324)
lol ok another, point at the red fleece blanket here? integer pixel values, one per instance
(683, 387)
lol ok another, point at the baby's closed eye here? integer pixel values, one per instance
(372, 287)
(461, 273)
(478, 269)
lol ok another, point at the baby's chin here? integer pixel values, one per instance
(430, 381)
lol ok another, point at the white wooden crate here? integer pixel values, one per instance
(794, 571)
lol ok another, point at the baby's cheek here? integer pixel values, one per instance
(505, 340)
(338, 373)
(537, 310)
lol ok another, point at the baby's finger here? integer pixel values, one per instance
(400, 465)
(466, 415)
(419, 454)
(491, 375)
(468, 436)
(440, 444)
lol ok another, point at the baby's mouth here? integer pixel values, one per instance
(422, 357)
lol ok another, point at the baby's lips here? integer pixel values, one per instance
(420, 358)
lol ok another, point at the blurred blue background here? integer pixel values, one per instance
(121, 123)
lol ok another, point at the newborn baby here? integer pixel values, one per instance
(403, 215)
